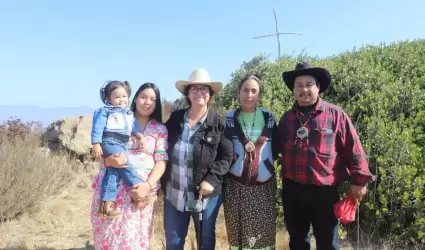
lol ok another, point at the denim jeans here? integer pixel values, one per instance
(305, 205)
(113, 176)
(176, 224)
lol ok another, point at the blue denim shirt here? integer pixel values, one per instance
(111, 122)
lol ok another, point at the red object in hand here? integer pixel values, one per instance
(345, 210)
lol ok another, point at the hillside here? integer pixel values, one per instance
(43, 115)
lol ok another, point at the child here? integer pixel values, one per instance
(111, 132)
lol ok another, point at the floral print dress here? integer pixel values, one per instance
(133, 229)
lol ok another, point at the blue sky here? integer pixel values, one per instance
(59, 53)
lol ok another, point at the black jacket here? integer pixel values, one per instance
(213, 152)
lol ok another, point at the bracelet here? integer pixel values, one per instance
(149, 184)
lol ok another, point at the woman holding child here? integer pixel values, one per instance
(134, 205)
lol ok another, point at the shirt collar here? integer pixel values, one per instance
(202, 120)
(137, 128)
(109, 105)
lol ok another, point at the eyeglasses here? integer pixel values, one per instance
(203, 89)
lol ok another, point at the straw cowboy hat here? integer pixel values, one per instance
(301, 69)
(199, 76)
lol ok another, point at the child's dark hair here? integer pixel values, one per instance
(105, 92)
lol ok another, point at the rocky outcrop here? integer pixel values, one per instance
(71, 134)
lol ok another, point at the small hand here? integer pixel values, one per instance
(142, 143)
(139, 136)
(116, 160)
(97, 151)
(357, 192)
(204, 189)
(132, 142)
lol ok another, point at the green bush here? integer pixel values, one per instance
(381, 87)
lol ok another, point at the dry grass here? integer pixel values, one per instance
(221, 234)
(28, 175)
(45, 205)
(53, 203)
(63, 222)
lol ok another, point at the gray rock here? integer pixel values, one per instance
(71, 134)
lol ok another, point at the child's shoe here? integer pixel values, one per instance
(108, 208)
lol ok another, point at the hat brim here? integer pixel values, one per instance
(215, 86)
(322, 75)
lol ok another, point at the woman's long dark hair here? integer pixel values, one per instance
(157, 113)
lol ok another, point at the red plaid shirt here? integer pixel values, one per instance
(331, 152)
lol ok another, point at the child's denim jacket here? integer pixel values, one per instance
(112, 123)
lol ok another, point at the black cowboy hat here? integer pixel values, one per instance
(301, 69)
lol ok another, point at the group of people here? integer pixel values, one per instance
(202, 160)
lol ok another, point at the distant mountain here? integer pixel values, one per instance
(39, 114)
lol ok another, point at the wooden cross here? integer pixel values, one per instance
(277, 34)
